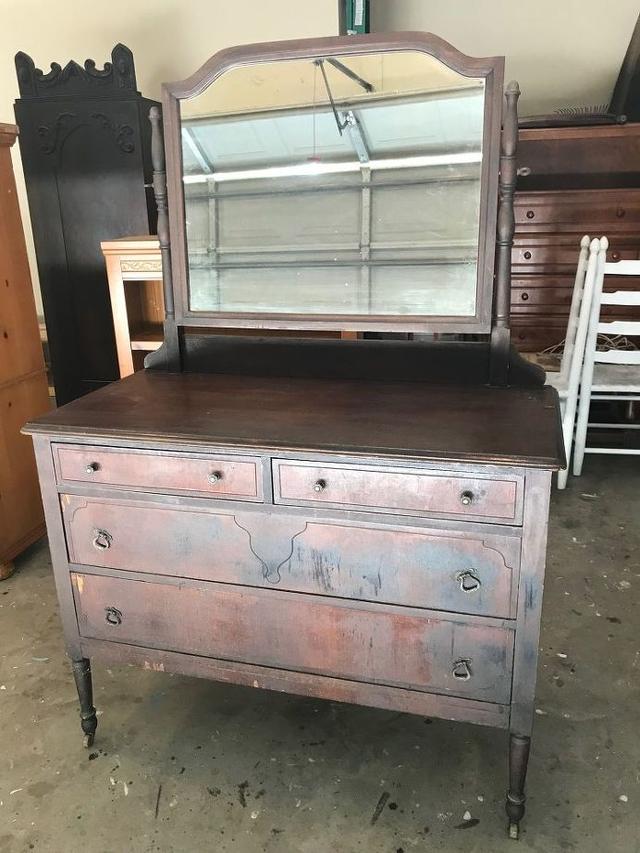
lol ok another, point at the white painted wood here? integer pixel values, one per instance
(622, 297)
(620, 327)
(622, 268)
(610, 374)
(567, 381)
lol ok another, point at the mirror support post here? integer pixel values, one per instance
(501, 332)
(167, 357)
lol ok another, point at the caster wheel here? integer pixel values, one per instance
(514, 831)
(87, 741)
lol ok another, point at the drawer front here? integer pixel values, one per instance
(461, 573)
(233, 477)
(606, 211)
(394, 646)
(399, 491)
(537, 255)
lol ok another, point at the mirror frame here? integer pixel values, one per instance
(491, 69)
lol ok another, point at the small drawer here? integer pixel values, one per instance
(222, 476)
(399, 647)
(400, 491)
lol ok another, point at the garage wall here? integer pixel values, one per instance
(562, 52)
(169, 38)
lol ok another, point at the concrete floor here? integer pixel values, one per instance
(186, 765)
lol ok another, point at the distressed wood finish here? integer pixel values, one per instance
(217, 475)
(463, 572)
(303, 684)
(395, 647)
(435, 493)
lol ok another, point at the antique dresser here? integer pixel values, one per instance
(362, 520)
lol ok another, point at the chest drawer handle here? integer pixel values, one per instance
(92, 467)
(215, 477)
(462, 669)
(319, 485)
(113, 616)
(102, 540)
(469, 581)
(467, 498)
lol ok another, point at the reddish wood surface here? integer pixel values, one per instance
(239, 477)
(317, 686)
(396, 491)
(398, 647)
(387, 419)
(373, 562)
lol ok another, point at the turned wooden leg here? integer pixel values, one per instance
(6, 570)
(88, 719)
(518, 761)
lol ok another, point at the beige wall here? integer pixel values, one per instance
(562, 52)
(169, 38)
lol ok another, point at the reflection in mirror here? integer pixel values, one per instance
(335, 186)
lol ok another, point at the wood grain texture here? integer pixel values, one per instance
(460, 572)
(398, 647)
(23, 380)
(390, 420)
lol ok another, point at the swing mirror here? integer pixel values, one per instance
(345, 189)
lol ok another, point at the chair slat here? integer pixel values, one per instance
(622, 268)
(621, 297)
(619, 356)
(620, 327)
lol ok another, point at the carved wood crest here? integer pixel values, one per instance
(116, 80)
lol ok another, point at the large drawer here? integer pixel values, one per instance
(394, 646)
(462, 572)
(224, 476)
(399, 491)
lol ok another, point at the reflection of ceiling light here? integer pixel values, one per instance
(316, 168)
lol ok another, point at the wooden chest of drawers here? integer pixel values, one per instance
(549, 227)
(289, 560)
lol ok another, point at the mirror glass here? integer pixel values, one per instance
(337, 185)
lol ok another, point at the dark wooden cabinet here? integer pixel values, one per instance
(579, 181)
(85, 147)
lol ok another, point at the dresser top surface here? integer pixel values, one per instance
(387, 419)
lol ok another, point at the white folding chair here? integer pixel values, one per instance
(567, 380)
(611, 374)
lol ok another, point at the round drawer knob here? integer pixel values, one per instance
(530, 214)
(113, 616)
(615, 256)
(215, 477)
(466, 498)
(468, 580)
(92, 467)
(620, 212)
(319, 485)
(102, 540)
(527, 255)
(461, 669)
(524, 297)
